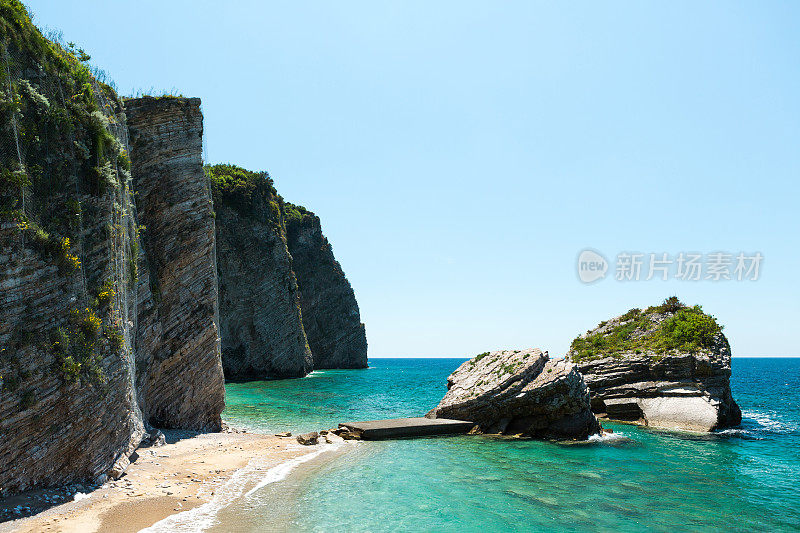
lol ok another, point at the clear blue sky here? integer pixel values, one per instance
(461, 153)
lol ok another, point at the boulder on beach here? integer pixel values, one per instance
(308, 439)
(668, 366)
(520, 392)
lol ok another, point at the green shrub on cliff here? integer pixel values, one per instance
(294, 213)
(77, 347)
(251, 194)
(667, 328)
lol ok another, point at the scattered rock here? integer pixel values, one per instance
(119, 467)
(284, 434)
(332, 438)
(154, 439)
(349, 435)
(308, 439)
(519, 392)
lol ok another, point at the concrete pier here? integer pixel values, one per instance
(398, 428)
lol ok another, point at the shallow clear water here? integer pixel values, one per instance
(740, 479)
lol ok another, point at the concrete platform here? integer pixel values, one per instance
(398, 428)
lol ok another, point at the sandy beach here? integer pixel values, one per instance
(166, 480)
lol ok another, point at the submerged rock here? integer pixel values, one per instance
(668, 366)
(519, 392)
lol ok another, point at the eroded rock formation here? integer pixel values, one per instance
(331, 317)
(179, 380)
(520, 392)
(260, 318)
(668, 367)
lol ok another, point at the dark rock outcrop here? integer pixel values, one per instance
(260, 318)
(666, 367)
(180, 380)
(331, 317)
(519, 392)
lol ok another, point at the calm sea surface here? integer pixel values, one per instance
(739, 479)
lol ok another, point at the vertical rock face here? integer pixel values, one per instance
(519, 392)
(330, 312)
(668, 366)
(262, 328)
(180, 380)
(67, 405)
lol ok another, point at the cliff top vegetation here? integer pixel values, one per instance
(295, 213)
(251, 194)
(671, 327)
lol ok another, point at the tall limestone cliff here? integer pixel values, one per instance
(106, 326)
(330, 312)
(110, 314)
(180, 381)
(68, 409)
(260, 319)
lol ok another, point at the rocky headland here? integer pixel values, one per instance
(667, 366)
(68, 267)
(520, 392)
(331, 317)
(286, 307)
(262, 326)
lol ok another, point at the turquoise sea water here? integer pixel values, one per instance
(740, 479)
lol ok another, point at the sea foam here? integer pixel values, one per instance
(608, 437)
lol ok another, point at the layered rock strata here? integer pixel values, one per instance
(519, 392)
(331, 316)
(179, 380)
(68, 410)
(634, 375)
